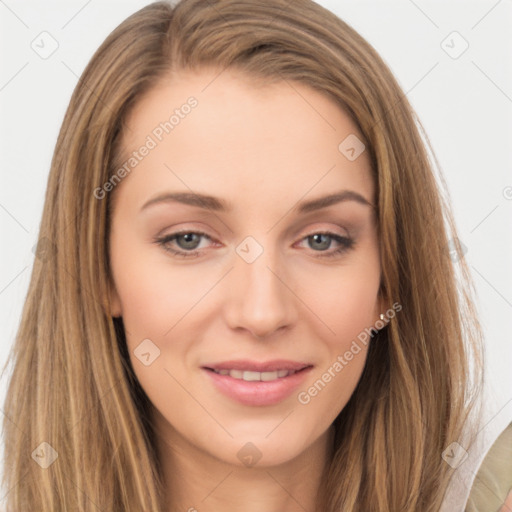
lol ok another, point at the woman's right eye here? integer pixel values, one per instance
(185, 240)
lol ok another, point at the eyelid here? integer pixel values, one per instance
(319, 227)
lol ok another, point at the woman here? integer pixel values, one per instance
(312, 353)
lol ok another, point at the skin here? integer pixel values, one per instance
(507, 506)
(263, 149)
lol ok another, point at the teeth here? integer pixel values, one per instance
(272, 375)
(250, 376)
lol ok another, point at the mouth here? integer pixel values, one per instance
(252, 376)
(257, 384)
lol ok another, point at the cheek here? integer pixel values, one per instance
(344, 301)
(327, 392)
(154, 293)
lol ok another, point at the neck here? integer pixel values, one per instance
(196, 481)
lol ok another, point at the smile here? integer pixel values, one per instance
(248, 375)
(257, 383)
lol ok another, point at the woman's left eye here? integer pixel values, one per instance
(323, 239)
(189, 241)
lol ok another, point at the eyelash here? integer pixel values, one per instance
(346, 244)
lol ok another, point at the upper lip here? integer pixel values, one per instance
(255, 366)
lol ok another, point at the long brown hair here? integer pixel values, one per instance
(72, 384)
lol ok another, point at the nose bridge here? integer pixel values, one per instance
(260, 300)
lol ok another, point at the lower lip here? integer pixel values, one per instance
(258, 392)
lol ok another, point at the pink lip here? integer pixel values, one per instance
(258, 393)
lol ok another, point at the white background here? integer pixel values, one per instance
(465, 105)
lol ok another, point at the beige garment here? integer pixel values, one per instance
(492, 486)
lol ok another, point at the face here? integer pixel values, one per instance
(241, 308)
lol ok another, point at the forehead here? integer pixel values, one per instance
(242, 139)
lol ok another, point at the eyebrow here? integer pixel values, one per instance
(220, 205)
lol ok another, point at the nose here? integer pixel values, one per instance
(261, 300)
